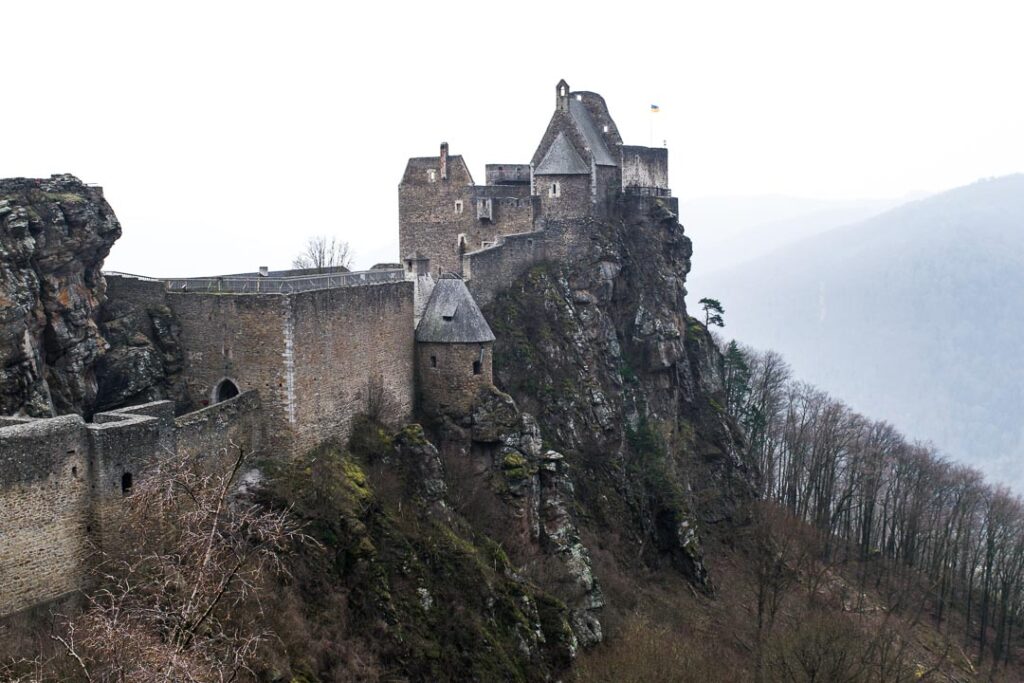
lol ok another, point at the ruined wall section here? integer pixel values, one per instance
(350, 343)
(62, 482)
(645, 170)
(510, 211)
(45, 494)
(223, 427)
(245, 338)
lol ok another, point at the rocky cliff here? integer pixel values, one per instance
(65, 346)
(55, 235)
(627, 386)
(146, 359)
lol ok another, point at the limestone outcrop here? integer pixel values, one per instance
(54, 236)
(627, 386)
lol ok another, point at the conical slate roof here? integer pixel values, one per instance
(452, 316)
(562, 159)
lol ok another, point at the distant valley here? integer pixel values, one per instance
(914, 316)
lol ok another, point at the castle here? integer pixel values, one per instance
(283, 361)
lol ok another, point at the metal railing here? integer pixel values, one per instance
(272, 285)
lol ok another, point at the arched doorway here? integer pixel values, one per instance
(225, 390)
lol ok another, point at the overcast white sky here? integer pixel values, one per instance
(225, 133)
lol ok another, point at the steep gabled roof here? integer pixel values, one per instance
(588, 129)
(452, 316)
(562, 159)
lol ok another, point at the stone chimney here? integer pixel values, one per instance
(264, 271)
(444, 161)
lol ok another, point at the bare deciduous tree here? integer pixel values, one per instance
(180, 580)
(323, 253)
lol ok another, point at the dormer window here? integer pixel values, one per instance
(432, 175)
(554, 190)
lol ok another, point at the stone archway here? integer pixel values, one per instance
(225, 389)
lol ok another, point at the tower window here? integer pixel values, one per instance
(126, 483)
(433, 361)
(477, 367)
(458, 207)
(554, 190)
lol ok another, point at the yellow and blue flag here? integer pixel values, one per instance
(655, 109)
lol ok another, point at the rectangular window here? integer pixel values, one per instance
(433, 361)
(458, 207)
(477, 367)
(432, 175)
(554, 190)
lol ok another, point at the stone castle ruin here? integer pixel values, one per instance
(279, 362)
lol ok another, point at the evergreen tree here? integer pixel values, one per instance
(713, 312)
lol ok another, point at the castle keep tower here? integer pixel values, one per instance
(576, 165)
(578, 171)
(454, 347)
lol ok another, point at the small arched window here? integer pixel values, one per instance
(554, 190)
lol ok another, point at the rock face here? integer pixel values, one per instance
(524, 498)
(145, 359)
(627, 386)
(55, 235)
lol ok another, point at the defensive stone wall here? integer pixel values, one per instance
(140, 291)
(62, 480)
(311, 355)
(348, 345)
(45, 495)
(645, 170)
(244, 339)
(235, 423)
(491, 270)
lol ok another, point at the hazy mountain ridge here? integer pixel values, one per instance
(914, 316)
(730, 231)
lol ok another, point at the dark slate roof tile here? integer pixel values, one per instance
(562, 159)
(452, 316)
